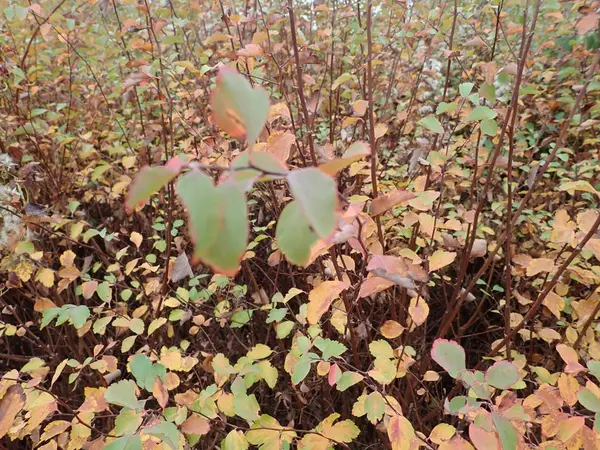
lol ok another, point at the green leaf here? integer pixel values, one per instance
(294, 234)
(123, 394)
(465, 89)
(283, 329)
(488, 91)
(235, 440)
(347, 380)
(246, 407)
(450, 355)
(589, 400)
(127, 422)
(506, 431)
(594, 367)
(237, 108)
(444, 108)
(481, 113)
(489, 127)
(147, 182)
(301, 369)
(132, 442)
(432, 124)
(199, 195)
(316, 195)
(104, 291)
(218, 220)
(268, 373)
(78, 315)
(145, 371)
(167, 432)
(330, 348)
(502, 375)
(268, 434)
(374, 407)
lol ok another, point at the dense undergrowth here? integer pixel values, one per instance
(299, 225)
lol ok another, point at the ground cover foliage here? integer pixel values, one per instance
(312, 225)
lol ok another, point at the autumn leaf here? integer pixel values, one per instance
(400, 432)
(440, 259)
(238, 108)
(321, 297)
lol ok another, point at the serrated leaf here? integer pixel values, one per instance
(123, 394)
(502, 375)
(450, 355)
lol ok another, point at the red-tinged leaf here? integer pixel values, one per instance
(159, 391)
(570, 428)
(148, 182)
(250, 50)
(373, 285)
(280, 144)
(237, 107)
(400, 432)
(502, 375)
(355, 152)
(482, 439)
(385, 202)
(11, 404)
(571, 359)
(335, 373)
(587, 23)
(195, 424)
(450, 355)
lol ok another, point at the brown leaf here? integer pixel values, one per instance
(587, 23)
(195, 424)
(160, 392)
(389, 200)
(11, 404)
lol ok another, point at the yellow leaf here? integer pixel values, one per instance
(391, 329)
(76, 230)
(11, 404)
(360, 107)
(24, 271)
(136, 238)
(400, 433)
(418, 310)
(554, 303)
(67, 258)
(321, 297)
(343, 431)
(442, 432)
(539, 265)
(46, 277)
(441, 258)
(159, 391)
(380, 130)
(430, 375)
(54, 429)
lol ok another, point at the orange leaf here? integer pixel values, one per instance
(321, 297)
